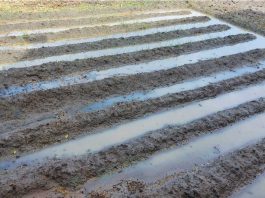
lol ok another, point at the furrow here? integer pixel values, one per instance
(219, 178)
(17, 22)
(76, 171)
(9, 28)
(196, 152)
(88, 93)
(95, 33)
(127, 49)
(131, 103)
(133, 129)
(181, 24)
(182, 54)
(21, 55)
(127, 22)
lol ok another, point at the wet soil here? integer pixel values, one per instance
(19, 55)
(70, 173)
(120, 85)
(57, 69)
(32, 122)
(74, 124)
(94, 31)
(217, 179)
(6, 28)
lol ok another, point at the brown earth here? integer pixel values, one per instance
(57, 69)
(33, 121)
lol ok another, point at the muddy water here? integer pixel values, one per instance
(122, 35)
(128, 22)
(254, 190)
(184, 86)
(136, 128)
(198, 151)
(121, 50)
(134, 69)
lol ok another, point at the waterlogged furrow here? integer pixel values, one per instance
(121, 50)
(253, 190)
(98, 16)
(54, 23)
(197, 152)
(213, 21)
(139, 127)
(20, 55)
(218, 178)
(128, 22)
(211, 131)
(166, 29)
(184, 86)
(74, 123)
(118, 86)
(127, 70)
(122, 155)
(89, 35)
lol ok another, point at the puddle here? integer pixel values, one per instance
(254, 190)
(184, 86)
(121, 50)
(197, 152)
(122, 35)
(128, 22)
(139, 127)
(152, 66)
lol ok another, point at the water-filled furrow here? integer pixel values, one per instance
(84, 20)
(121, 50)
(213, 21)
(196, 152)
(115, 36)
(20, 55)
(152, 66)
(141, 126)
(128, 22)
(184, 86)
(94, 16)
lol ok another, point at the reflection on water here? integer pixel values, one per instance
(55, 30)
(114, 36)
(197, 152)
(120, 50)
(139, 127)
(184, 86)
(134, 69)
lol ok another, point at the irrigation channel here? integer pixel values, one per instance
(173, 109)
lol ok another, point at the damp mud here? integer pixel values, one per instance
(198, 151)
(136, 99)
